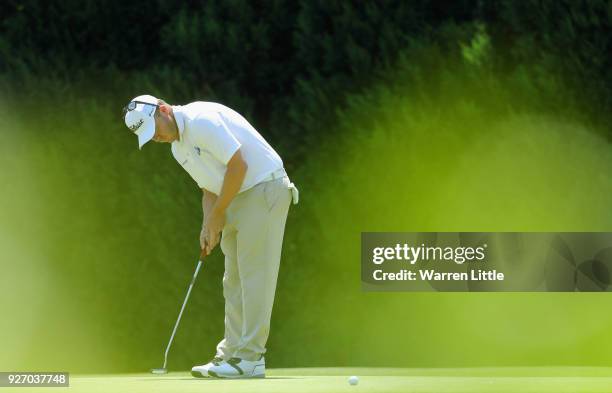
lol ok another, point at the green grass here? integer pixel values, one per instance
(371, 380)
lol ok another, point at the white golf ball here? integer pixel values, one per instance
(353, 380)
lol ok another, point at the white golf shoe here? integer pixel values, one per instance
(202, 371)
(239, 368)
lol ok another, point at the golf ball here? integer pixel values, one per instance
(353, 380)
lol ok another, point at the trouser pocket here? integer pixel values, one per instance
(274, 190)
(271, 193)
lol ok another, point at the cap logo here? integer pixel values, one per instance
(136, 125)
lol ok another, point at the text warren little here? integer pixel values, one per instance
(432, 275)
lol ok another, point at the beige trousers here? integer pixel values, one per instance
(251, 242)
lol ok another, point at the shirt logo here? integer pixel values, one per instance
(197, 150)
(136, 125)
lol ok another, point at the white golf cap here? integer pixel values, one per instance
(139, 118)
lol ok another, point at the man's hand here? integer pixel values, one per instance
(204, 241)
(214, 225)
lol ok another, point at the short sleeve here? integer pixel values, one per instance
(212, 134)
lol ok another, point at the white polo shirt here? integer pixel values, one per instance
(209, 135)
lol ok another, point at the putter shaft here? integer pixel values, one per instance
(178, 320)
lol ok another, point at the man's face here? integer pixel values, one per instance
(165, 129)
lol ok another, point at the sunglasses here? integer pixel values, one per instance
(132, 105)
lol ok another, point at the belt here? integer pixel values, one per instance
(277, 174)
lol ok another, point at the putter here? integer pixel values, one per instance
(164, 370)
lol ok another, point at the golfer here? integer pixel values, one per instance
(245, 199)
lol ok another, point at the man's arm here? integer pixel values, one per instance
(215, 219)
(208, 200)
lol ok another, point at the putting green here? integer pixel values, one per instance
(371, 380)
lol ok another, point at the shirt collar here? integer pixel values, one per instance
(179, 117)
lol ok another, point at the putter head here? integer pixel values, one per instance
(159, 371)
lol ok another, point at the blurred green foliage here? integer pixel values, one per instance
(389, 116)
(289, 64)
